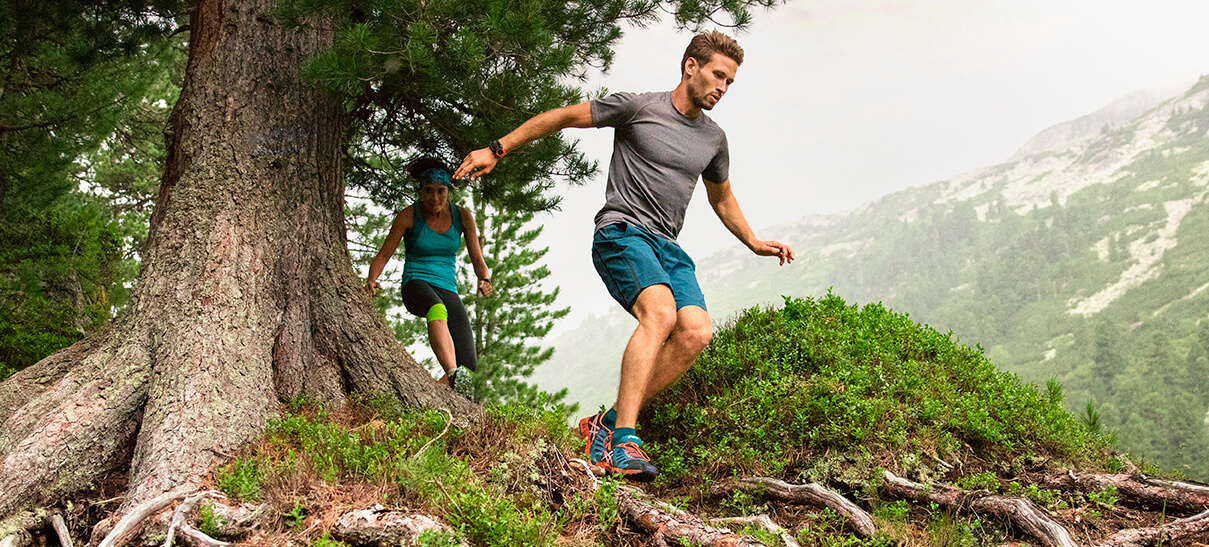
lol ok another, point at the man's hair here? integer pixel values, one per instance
(703, 47)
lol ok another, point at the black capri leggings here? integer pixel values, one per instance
(419, 296)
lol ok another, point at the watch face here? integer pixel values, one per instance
(497, 148)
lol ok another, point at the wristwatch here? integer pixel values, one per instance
(497, 148)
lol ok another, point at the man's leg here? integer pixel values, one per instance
(689, 338)
(655, 310)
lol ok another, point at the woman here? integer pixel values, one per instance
(431, 230)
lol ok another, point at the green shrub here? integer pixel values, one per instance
(779, 388)
(896, 510)
(979, 481)
(240, 479)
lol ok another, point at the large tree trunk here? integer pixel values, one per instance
(247, 296)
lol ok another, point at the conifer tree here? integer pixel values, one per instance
(519, 313)
(71, 74)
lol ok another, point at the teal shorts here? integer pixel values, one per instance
(630, 259)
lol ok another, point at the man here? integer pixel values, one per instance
(663, 142)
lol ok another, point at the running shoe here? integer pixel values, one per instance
(630, 461)
(462, 380)
(597, 437)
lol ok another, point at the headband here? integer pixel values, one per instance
(435, 175)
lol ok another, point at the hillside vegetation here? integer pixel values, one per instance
(902, 435)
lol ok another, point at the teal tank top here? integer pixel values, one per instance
(429, 256)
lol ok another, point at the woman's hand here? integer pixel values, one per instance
(372, 287)
(484, 287)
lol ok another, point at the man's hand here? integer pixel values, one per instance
(372, 287)
(477, 163)
(773, 248)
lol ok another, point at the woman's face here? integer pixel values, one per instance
(434, 196)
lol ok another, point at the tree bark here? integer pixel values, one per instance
(246, 296)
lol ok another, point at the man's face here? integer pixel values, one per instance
(707, 84)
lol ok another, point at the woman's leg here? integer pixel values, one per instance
(421, 299)
(459, 329)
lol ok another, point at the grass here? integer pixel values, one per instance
(484, 481)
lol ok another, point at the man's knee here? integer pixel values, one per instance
(696, 338)
(693, 329)
(656, 309)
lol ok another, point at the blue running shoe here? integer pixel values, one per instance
(630, 461)
(598, 438)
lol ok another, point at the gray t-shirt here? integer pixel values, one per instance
(658, 154)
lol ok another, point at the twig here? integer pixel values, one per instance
(587, 471)
(675, 527)
(448, 422)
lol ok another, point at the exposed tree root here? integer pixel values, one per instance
(1139, 490)
(1172, 531)
(669, 525)
(858, 520)
(1018, 511)
(383, 527)
(763, 522)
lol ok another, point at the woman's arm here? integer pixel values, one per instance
(471, 232)
(402, 222)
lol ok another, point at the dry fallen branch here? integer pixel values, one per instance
(180, 524)
(16, 539)
(1020, 512)
(60, 527)
(1172, 531)
(672, 526)
(131, 522)
(763, 522)
(812, 493)
(384, 527)
(1139, 490)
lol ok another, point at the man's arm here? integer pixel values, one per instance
(727, 208)
(482, 161)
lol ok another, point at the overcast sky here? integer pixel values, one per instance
(839, 102)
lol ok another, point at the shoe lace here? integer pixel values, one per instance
(633, 452)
